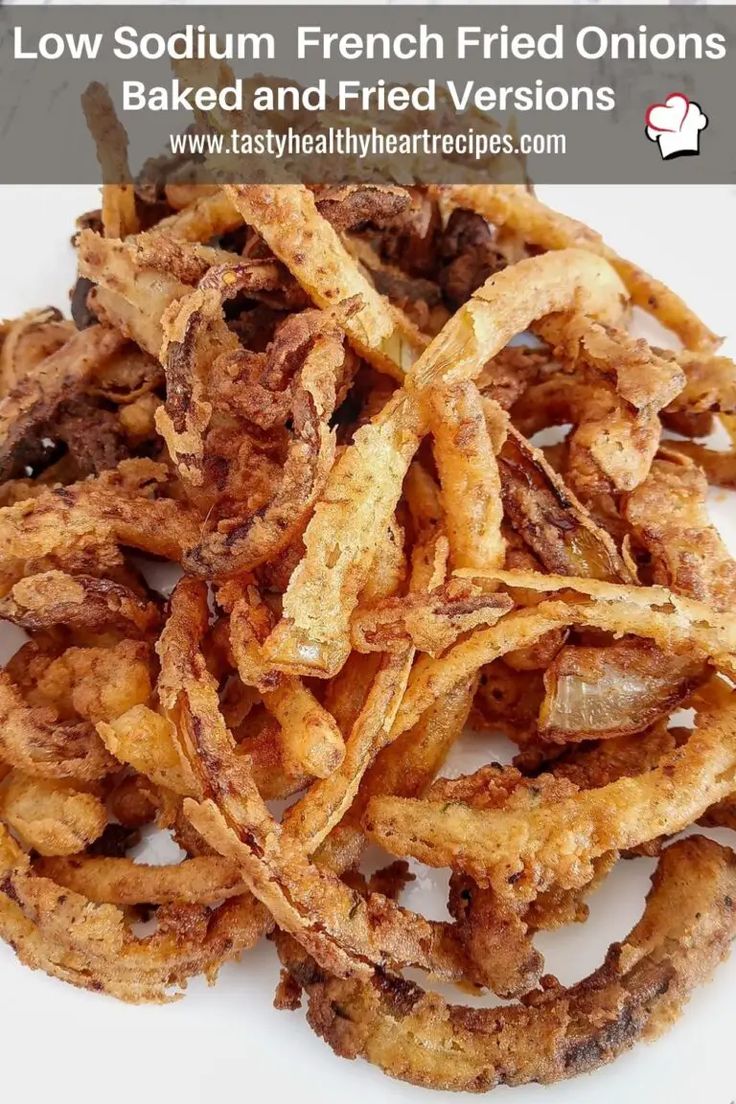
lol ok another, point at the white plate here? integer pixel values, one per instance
(228, 1043)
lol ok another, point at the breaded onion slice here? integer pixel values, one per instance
(522, 852)
(513, 206)
(202, 880)
(77, 527)
(355, 508)
(50, 815)
(35, 399)
(669, 518)
(595, 693)
(28, 340)
(79, 602)
(685, 931)
(58, 930)
(300, 376)
(38, 743)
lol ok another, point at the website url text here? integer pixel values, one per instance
(347, 142)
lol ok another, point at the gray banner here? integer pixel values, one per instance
(566, 94)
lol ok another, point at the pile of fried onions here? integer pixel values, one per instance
(313, 410)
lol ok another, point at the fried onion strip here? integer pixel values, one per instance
(238, 543)
(669, 517)
(310, 739)
(77, 523)
(119, 217)
(349, 934)
(78, 601)
(312, 638)
(27, 341)
(202, 880)
(519, 210)
(525, 852)
(469, 476)
(405, 768)
(129, 295)
(287, 218)
(686, 929)
(36, 397)
(49, 815)
(36, 742)
(67, 935)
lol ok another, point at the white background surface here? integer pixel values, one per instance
(228, 1043)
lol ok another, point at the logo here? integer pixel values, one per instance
(675, 126)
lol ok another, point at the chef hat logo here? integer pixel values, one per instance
(675, 126)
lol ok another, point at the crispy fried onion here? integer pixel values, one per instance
(348, 933)
(50, 815)
(300, 375)
(406, 767)
(552, 522)
(496, 931)
(95, 683)
(35, 741)
(202, 880)
(145, 740)
(469, 476)
(594, 692)
(431, 621)
(287, 218)
(205, 212)
(90, 945)
(621, 388)
(644, 378)
(710, 385)
(27, 341)
(195, 335)
(313, 637)
(524, 852)
(78, 601)
(34, 400)
(119, 216)
(128, 294)
(515, 207)
(687, 926)
(669, 518)
(599, 692)
(617, 429)
(718, 466)
(78, 527)
(309, 737)
(351, 206)
(137, 280)
(319, 811)
(497, 787)
(610, 448)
